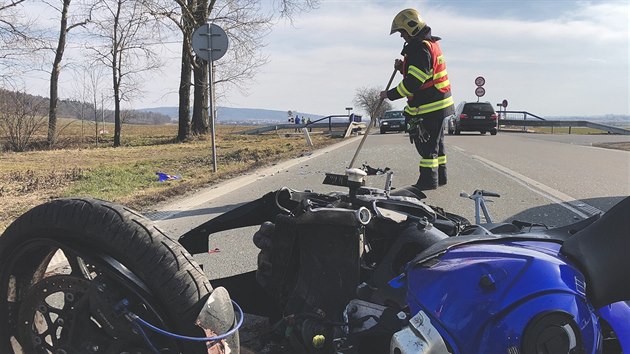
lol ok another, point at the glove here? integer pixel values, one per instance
(263, 237)
(414, 133)
(423, 134)
(413, 128)
(398, 65)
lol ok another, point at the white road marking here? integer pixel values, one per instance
(578, 207)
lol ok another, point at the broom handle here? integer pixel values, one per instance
(367, 131)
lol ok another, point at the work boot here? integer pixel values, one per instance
(426, 182)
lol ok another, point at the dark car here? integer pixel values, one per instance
(392, 121)
(474, 116)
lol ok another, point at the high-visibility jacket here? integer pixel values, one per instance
(425, 83)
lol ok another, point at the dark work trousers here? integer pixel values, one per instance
(432, 153)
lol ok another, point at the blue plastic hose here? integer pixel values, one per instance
(148, 325)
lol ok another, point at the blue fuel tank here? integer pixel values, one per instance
(504, 296)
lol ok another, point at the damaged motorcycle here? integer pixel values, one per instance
(366, 270)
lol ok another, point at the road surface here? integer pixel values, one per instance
(550, 179)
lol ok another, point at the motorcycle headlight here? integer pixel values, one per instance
(419, 337)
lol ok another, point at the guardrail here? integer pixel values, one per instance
(511, 118)
(533, 121)
(563, 123)
(525, 114)
(314, 124)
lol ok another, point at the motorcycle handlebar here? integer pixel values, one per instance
(485, 193)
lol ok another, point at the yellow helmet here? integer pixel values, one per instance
(408, 20)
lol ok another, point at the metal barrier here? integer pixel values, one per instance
(314, 124)
(510, 118)
(507, 118)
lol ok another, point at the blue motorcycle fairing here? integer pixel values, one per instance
(617, 315)
(482, 296)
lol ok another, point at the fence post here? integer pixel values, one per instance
(309, 142)
(569, 130)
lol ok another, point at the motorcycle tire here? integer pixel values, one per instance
(177, 285)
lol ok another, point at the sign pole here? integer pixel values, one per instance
(211, 100)
(210, 42)
(212, 113)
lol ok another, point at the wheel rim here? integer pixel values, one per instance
(51, 292)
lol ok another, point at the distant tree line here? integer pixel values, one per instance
(23, 116)
(75, 109)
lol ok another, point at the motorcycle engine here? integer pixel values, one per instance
(322, 271)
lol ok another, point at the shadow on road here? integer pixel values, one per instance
(558, 215)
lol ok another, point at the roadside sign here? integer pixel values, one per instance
(480, 91)
(210, 42)
(504, 103)
(480, 81)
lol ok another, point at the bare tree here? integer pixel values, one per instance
(89, 92)
(246, 26)
(187, 28)
(368, 99)
(289, 8)
(125, 30)
(16, 41)
(21, 116)
(56, 67)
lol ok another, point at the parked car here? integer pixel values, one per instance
(474, 116)
(392, 121)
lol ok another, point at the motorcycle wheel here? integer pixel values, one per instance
(64, 263)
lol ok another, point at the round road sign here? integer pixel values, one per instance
(480, 91)
(210, 42)
(480, 81)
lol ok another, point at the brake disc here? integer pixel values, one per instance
(47, 313)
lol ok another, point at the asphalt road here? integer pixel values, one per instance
(550, 179)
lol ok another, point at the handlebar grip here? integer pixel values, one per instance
(489, 194)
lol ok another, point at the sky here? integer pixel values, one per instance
(547, 57)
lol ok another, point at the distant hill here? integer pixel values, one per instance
(228, 114)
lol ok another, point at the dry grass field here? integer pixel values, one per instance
(127, 174)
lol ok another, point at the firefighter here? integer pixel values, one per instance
(427, 89)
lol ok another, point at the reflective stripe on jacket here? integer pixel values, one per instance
(435, 91)
(439, 77)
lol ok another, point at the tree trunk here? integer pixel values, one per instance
(116, 87)
(117, 121)
(183, 131)
(200, 103)
(54, 76)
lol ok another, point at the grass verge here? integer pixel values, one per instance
(127, 174)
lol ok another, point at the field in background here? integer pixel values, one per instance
(127, 174)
